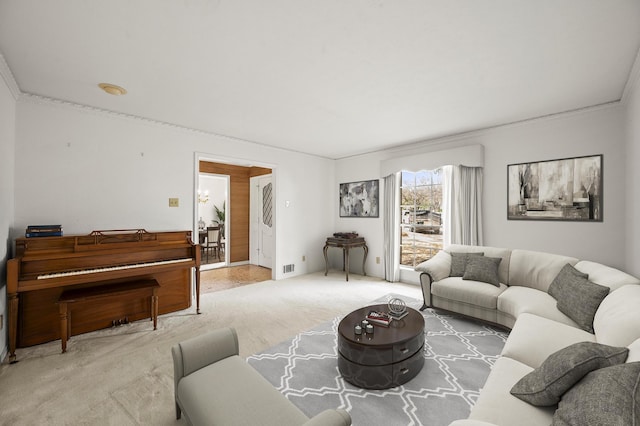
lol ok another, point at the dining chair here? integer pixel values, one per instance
(213, 241)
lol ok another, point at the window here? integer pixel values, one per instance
(421, 216)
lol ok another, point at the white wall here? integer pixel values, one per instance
(596, 131)
(7, 147)
(92, 170)
(217, 190)
(588, 133)
(632, 233)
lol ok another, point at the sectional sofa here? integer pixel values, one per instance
(573, 354)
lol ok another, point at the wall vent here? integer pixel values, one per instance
(288, 268)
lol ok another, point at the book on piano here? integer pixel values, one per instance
(43, 231)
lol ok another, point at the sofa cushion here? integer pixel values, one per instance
(459, 262)
(608, 396)
(561, 370)
(517, 300)
(496, 405)
(577, 297)
(536, 269)
(244, 397)
(482, 268)
(472, 292)
(606, 275)
(534, 338)
(617, 321)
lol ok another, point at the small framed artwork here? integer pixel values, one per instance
(569, 189)
(360, 199)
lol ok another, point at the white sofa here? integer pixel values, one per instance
(520, 301)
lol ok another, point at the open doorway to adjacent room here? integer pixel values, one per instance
(245, 196)
(213, 198)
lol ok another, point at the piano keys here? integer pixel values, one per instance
(45, 267)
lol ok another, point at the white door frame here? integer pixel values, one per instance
(204, 156)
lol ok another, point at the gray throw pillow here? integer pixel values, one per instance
(459, 263)
(578, 298)
(566, 275)
(481, 268)
(561, 370)
(605, 397)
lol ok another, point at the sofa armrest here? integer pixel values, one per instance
(200, 351)
(434, 269)
(425, 283)
(330, 418)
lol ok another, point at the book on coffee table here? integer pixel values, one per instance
(380, 318)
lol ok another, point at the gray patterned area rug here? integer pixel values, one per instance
(458, 352)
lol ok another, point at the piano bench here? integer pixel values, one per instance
(119, 291)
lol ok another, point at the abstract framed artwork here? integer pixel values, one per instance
(360, 199)
(568, 189)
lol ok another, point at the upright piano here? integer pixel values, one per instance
(44, 267)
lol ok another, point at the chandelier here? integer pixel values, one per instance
(203, 198)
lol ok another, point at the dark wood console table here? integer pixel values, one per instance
(345, 244)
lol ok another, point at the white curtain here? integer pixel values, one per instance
(447, 197)
(392, 227)
(462, 205)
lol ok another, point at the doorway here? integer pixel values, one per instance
(239, 207)
(213, 199)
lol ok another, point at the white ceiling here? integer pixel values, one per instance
(332, 78)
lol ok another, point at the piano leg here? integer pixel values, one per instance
(64, 326)
(154, 308)
(197, 289)
(13, 326)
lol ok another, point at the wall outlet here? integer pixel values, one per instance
(304, 258)
(174, 202)
(378, 260)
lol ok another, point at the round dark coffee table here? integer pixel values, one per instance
(389, 357)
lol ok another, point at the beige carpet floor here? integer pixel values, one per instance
(124, 376)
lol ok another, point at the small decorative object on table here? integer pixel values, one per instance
(397, 308)
(345, 234)
(380, 318)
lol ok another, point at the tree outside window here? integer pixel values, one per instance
(421, 216)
